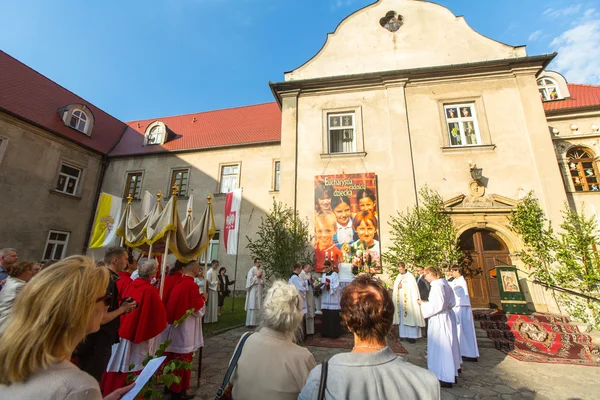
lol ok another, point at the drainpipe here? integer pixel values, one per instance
(412, 159)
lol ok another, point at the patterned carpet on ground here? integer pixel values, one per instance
(543, 338)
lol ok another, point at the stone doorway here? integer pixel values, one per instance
(484, 250)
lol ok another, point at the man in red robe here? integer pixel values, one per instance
(138, 331)
(174, 277)
(186, 337)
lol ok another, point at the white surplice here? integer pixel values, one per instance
(211, 287)
(253, 304)
(126, 353)
(442, 341)
(330, 299)
(187, 337)
(300, 284)
(464, 319)
(310, 303)
(407, 313)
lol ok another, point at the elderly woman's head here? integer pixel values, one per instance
(282, 310)
(56, 310)
(147, 268)
(367, 309)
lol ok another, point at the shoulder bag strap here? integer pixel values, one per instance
(232, 365)
(323, 382)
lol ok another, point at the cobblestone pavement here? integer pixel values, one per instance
(495, 376)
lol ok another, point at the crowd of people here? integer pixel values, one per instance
(86, 349)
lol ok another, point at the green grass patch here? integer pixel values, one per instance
(228, 318)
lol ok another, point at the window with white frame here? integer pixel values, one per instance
(548, 89)
(79, 120)
(461, 120)
(213, 250)
(180, 177)
(133, 186)
(56, 245)
(68, 179)
(229, 178)
(341, 133)
(276, 175)
(156, 135)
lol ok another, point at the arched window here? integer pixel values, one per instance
(582, 167)
(156, 134)
(79, 120)
(548, 89)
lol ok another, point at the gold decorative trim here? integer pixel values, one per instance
(513, 302)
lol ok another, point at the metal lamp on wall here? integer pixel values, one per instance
(476, 173)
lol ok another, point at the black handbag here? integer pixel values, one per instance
(224, 392)
(323, 382)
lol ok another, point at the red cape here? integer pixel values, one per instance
(170, 282)
(123, 283)
(149, 318)
(184, 296)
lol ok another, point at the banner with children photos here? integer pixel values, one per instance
(346, 222)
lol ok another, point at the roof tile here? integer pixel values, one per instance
(581, 96)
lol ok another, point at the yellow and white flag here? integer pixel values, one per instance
(106, 221)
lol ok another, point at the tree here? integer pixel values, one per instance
(423, 235)
(282, 240)
(568, 259)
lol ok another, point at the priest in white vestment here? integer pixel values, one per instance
(212, 287)
(464, 317)
(407, 313)
(330, 303)
(254, 285)
(310, 300)
(443, 353)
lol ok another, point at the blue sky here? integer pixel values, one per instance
(143, 59)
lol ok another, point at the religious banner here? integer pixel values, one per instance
(346, 223)
(106, 221)
(511, 294)
(233, 202)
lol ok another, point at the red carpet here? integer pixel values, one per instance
(346, 341)
(544, 338)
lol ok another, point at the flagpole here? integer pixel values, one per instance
(237, 251)
(150, 252)
(163, 269)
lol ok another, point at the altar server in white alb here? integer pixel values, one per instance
(464, 316)
(212, 287)
(310, 299)
(330, 302)
(407, 312)
(254, 284)
(443, 352)
(300, 284)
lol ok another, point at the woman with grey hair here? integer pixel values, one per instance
(271, 365)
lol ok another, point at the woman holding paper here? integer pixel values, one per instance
(56, 310)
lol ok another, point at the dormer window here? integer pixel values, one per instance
(79, 120)
(548, 89)
(156, 133)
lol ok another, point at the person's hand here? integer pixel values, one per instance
(128, 306)
(420, 301)
(3, 282)
(399, 286)
(117, 394)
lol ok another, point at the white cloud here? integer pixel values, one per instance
(589, 11)
(563, 12)
(579, 50)
(337, 4)
(535, 35)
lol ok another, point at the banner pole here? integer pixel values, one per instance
(163, 268)
(150, 252)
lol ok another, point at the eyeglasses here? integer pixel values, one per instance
(107, 299)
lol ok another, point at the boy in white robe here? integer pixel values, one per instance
(407, 313)
(254, 284)
(464, 317)
(212, 286)
(442, 341)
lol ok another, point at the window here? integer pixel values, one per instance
(156, 134)
(133, 185)
(56, 245)
(229, 178)
(68, 179)
(341, 133)
(583, 170)
(213, 250)
(548, 89)
(180, 177)
(276, 176)
(462, 125)
(79, 120)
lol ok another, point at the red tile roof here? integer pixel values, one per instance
(260, 123)
(30, 96)
(582, 96)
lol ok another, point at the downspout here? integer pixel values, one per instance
(412, 159)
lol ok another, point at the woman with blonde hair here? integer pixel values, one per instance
(271, 365)
(18, 275)
(52, 314)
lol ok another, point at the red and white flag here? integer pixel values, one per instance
(233, 203)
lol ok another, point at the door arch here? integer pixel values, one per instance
(484, 250)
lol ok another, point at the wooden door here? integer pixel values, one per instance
(484, 250)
